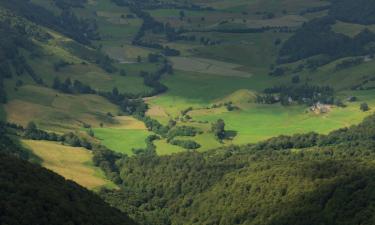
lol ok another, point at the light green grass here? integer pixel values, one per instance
(199, 90)
(164, 148)
(260, 122)
(122, 140)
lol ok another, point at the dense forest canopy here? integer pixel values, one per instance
(359, 11)
(276, 184)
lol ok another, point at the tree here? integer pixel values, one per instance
(218, 128)
(182, 15)
(295, 79)
(56, 83)
(115, 91)
(91, 133)
(364, 107)
(31, 126)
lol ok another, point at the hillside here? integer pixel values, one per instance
(69, 83)
(30, 194)
(182, 112)
(33, 195)
(303, 179)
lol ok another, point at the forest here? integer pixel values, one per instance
(321, 172)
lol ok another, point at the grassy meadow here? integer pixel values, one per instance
(232, 67)
(73, 163)
(122, 140)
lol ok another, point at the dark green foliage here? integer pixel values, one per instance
(295, 79)
(347, 63)
(323, 180)
(68, 87)
(359, 11)
(92, 55)
(301, 94)
(153, 58)
(67, 4)
(30, 194)
(34, 133)
(181, 131)
(60, 64)
(9, 145)
(317, 38)
(16, 38)
(155, 126)
(81, 30)
(364, 107)
(218, 128)
(187, 144)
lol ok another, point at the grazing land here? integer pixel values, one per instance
(72, 163)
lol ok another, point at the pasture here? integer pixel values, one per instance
(72, 163)
(208, 66)
(122, 140)
(56, 111)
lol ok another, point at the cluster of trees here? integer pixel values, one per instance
(300, 179)
(157, 4)
(152, 80)
(317, 38)
(34, 133)
(130, 104)
(364, 84)
(9, 146)
(347, 63)
(67, 4)
(11, 61)
(91, 55)
(301, 94)
(218, 129)
(182, 131)
(72, 87)
(67, 23)
(187, 144)
(315, 9)
(360, 11)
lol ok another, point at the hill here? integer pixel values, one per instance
(30, 194)
(301, 179)
(33, 195)
(69, 82)
(197, 111)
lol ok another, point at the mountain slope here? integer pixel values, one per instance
(298, 180)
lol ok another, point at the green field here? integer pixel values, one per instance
(122, 140)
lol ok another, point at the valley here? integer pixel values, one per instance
(131, 98)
